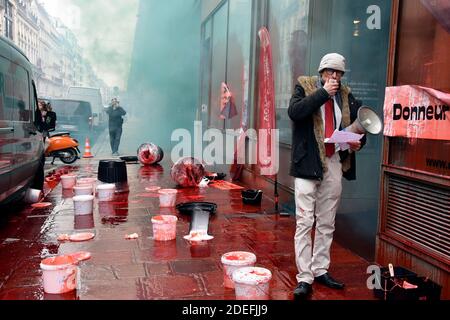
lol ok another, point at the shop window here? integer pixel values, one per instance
(238, 62)
(303, 31)
(289, 30)
(218, 66)
(422, 59)
(423, 49)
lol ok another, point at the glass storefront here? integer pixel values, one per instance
(302, 31)
(289, 29)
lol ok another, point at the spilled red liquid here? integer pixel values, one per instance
(258, 273)
(234, 258)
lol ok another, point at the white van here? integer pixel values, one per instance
(94, 97)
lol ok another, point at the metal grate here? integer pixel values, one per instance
(420, 213)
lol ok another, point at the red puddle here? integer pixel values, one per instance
(119, 203)
(225, 185)
(194, 198)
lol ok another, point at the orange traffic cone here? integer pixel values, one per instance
(87, 149)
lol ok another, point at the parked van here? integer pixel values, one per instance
(94, 97)
(74, 116)
(21, 145)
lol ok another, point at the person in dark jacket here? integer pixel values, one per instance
(50, 118)
(319, 106)
(116, 114)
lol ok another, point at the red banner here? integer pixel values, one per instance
(417, 112)
(267, 154)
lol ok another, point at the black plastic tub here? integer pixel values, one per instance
(191, 207)
(252, 197)
(392, 290)
(114, 171)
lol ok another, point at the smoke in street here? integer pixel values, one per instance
(147, 54)
(163, 84)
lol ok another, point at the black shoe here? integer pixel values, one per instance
(328, 281)
(302, 291)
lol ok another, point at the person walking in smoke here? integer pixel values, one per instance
(319, 106)
(116, 114)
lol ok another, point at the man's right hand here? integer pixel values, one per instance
(332, 87)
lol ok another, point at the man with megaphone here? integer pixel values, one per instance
(319, 107)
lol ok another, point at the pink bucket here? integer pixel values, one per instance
(59, 274)
(68, 181)
(83, 190)
(164, 228)
(88, 182)
(233, 261)
(252, 283)
(167, 198)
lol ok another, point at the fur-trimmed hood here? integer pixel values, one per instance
(310, 85)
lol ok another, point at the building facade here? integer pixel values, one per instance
(51, 47)
(386, 43)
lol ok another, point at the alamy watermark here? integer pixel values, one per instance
(219, 147)
(374, 280)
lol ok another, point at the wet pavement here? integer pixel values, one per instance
(147, 269)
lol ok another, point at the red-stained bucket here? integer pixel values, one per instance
(252, 283)
(233, 261)
(167, 198)
(164, 228)
(59, 274)
(68, 181)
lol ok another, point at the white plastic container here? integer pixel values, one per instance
(167, 198)
(68, 181)
(60, 274)
(88, 182)
(233, 261)
(252, 283)
(32, 196)
(106, 192)
(164, 228)
(84, 205)
(83, 190)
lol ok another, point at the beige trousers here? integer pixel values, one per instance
(316, 201)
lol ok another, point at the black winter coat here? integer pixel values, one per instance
(306, 161)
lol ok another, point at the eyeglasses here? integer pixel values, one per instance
(330, 72)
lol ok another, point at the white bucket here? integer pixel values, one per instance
(164, 228)
(84, 205)
(83, 190)
(167, 198)
(60, 274)
(106, 192)
(88, 182)
(252, 283)
(233, 261)
(68, 181)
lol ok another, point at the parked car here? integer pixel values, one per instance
(21, 145)
(74, 116)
